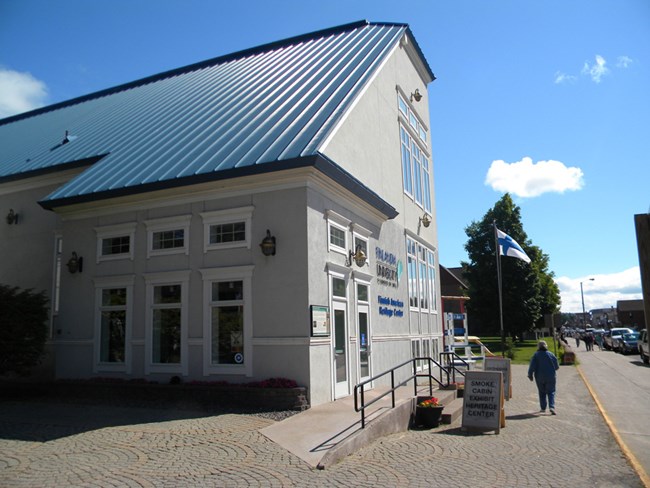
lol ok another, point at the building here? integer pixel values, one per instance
(631, 314)
(268, 213)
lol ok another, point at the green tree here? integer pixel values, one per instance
(528, 290)
(23, 329)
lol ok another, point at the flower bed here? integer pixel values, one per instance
(267, 395)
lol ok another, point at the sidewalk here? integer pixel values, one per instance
(53, 445)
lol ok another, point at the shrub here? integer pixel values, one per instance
(23, 329)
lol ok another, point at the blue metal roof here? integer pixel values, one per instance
(257, 110)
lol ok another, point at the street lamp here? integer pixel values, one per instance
(584, 317)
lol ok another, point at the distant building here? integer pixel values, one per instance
(269, 213)
(631, 313)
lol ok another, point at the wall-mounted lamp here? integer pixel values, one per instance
(358, 256)
(425, 220)
(75, 263)
(416, 95)
(12, 217)
(268, 244)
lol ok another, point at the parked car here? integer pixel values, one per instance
(613, 335)
(627, 343)
(642, 344)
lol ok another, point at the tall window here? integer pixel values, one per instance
(113, 325)
(113, 302)
(166, 322)
(421, 270)
(416, 172)
(228, 320)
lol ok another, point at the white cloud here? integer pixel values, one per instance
(564, 78)
(527, 179)
(623, 62)
(20, 92)
(603, 292)
(597, 70)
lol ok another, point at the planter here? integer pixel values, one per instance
(428, 416)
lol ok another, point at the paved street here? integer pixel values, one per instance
(621, 384)
(45, 445)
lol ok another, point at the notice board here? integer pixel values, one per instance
(483, 401)
(503, 365)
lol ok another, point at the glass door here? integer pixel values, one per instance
(340, 350)
(363, 331)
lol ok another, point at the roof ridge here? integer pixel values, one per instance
(195, 66)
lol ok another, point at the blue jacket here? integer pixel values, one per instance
(543, 365)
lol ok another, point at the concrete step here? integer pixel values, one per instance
(452, 411)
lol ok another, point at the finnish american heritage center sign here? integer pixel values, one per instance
(483, 401)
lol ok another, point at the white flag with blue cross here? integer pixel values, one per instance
(509, 247)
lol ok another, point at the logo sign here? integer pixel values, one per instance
(389, 268)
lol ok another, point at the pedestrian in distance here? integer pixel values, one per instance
(543, 368)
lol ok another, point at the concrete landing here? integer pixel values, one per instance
(324, 434)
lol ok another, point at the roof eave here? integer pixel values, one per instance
(317, 161)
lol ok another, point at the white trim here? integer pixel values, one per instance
(111, 231)
(211, 275)
(337, 221)
(166, 278)
(227, 216)
(181, 222)
(41, 181)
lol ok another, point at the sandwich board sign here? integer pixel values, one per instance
(503, 365)
(483, 401)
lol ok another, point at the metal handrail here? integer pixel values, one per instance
(359, 389)
(451, 364)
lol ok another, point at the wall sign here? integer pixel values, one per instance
(320, 320)
(503, 365)
(483, 401)
(389, 268)
(390, 307)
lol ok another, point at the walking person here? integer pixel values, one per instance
(543, 367)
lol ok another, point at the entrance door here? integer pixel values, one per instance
(341, 375)
(363, 317)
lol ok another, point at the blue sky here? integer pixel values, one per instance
(549, 100)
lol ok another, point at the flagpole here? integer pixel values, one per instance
(496, 241)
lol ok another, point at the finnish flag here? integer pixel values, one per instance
(509, 247)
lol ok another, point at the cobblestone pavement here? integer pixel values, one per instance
(59, 445)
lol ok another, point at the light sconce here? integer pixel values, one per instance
(268, 244)
(75, 263)
(12, 217)
(416, 95)
(425, 220)
(358, 256)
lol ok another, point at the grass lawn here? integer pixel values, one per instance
(524, 350)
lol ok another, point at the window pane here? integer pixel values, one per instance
(337, 236)
(116, 245)
(113, 330)
(423, 134)
(231, 232)
(426, 185)
(338, 287)
(227, 291)
(402, 106)
(167, 294)
(112, 297)
(166, 340)
(406, 161)
(362, 293)
(417, 173)
(228, 335)
(413, 121)
(168, 239)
